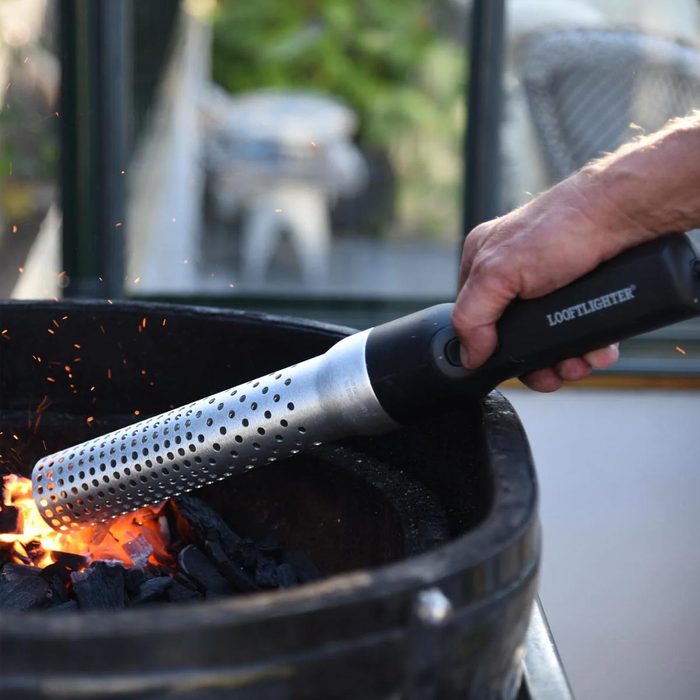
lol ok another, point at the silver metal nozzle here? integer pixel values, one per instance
(266, 419)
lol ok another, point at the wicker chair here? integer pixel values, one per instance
(590, 90)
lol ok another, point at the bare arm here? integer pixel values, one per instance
(645, 189)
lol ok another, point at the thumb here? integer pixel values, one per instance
(474, 318)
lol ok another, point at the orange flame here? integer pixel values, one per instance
(101, 542)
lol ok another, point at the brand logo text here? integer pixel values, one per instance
(619, 296)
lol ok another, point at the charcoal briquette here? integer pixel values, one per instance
(133, 578)
(64, 607)
(266, 573)
(269, 545)
(204, 519)
(56, 570)
(22, 588)
(229, 569)
(285, 576)
(152, 590)
(74, 562)
(100, 587)
(21, 570)
(34, 551)
(202, 570)
(304, 569)
(9, 518)
(58, 578)
(184, 580)
(247, 555)
(178, 593)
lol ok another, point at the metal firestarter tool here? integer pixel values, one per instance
(371, 382)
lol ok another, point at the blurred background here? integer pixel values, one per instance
(325, 158)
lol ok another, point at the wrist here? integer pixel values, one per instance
(651, 182)
(604, 198)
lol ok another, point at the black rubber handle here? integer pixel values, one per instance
(413, 362)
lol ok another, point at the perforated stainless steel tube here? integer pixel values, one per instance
(266, 419)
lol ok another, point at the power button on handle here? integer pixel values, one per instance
(452, 352)
(445, 352)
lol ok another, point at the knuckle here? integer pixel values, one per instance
(488, 265)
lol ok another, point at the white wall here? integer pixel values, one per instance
(619, 476)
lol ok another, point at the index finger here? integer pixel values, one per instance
(480, 303)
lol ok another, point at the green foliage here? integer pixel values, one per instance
(28, 148)
(384, 58)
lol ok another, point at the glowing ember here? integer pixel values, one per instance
(35, 541)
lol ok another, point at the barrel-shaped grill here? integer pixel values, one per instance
(438, 614)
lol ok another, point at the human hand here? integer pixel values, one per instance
(542, 246)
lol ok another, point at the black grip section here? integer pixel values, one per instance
(411, 364)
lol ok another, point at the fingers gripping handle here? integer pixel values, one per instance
(413, 362)
(648, 287)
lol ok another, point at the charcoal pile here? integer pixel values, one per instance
(205, 559)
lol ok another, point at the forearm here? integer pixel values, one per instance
(650, 186)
